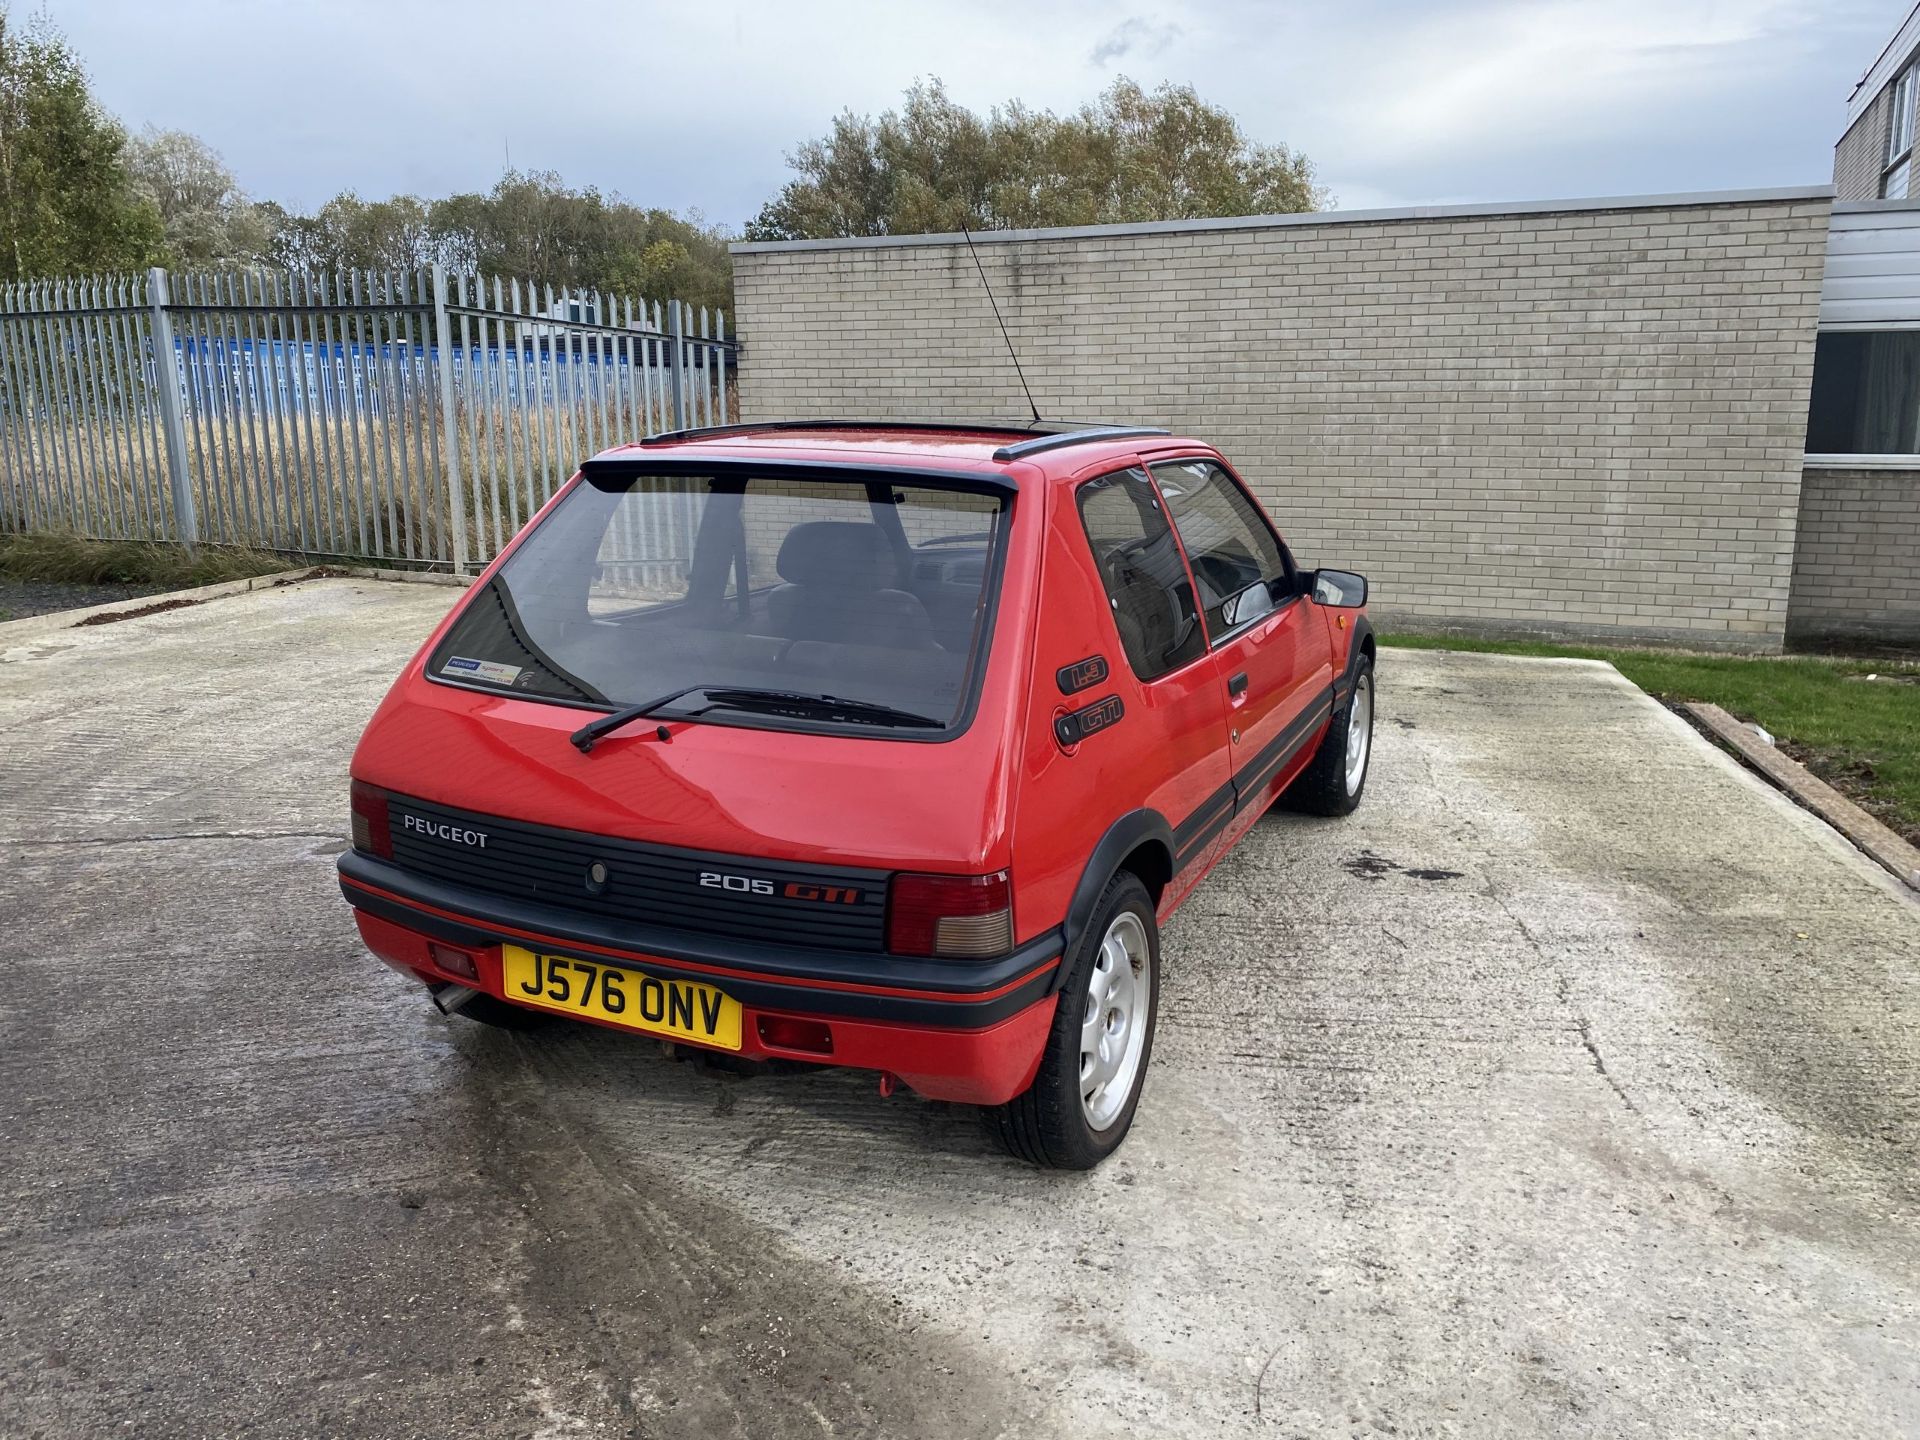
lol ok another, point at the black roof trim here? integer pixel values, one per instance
(619, 467)
(1041, 443)
(1042, 435)
(708, 432)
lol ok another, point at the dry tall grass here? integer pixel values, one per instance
(59, 556)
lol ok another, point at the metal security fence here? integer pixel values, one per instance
(401, 416)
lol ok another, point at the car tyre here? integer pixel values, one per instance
(1082, 1101)
(1336, 777)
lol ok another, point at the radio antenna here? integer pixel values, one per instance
(1011, 353)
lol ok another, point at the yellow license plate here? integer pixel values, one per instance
(679, 1009)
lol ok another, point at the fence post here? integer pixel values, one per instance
(173, 420)
(449, 425)
(677, 327)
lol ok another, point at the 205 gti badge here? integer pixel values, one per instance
(791, 890)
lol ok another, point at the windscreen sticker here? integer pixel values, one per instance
(491, 671)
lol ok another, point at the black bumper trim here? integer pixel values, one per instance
(955, 994)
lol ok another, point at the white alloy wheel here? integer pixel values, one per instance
(1113, 1032)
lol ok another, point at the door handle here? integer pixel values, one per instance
(1238, 684)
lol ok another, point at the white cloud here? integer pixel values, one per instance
(1524, 74)
(1398, 101)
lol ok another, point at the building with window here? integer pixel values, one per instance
(1873, 160)
(1866, 383)
(1857, 556)
(1692, 418)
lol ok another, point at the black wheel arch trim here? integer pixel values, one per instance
(1186, 840)
(1356, 648)
(1122, 838)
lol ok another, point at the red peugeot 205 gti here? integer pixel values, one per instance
(877, 745)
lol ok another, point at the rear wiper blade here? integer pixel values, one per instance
(584, 737)
(828, 706)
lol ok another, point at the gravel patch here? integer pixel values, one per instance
(21, 598)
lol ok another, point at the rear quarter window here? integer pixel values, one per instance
(1141, 568)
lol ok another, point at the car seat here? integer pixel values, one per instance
(839, 586)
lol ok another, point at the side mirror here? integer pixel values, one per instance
(1338, 587)
(1245, 606)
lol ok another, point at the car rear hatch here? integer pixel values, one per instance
(819, 643)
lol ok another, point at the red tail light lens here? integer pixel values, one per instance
(783, 1032)
(454, 962)
(371, 831)
(960, 917)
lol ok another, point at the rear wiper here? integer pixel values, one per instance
(742, 698)
(823, 706)
(584, 737)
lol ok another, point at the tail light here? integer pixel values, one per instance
(371, 831)
(960, 917)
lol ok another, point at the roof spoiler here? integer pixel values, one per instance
(1091, 435)
(1041, 437)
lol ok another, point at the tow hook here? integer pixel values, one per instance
(449, 997)
(889, 1082)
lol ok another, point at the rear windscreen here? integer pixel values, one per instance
(738, 586)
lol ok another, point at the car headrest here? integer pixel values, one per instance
(843, 554)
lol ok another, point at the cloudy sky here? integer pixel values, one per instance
(693, 104)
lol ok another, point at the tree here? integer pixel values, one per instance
(390, 234)
(67, 202)
(534, 226)
(530, 227)
(207, 217)
(1130, 155)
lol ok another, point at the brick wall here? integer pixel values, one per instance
(1856, 159)
(1856, 574)
(1583, 421)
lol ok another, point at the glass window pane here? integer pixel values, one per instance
(1866, 394)
(1894, 186)
(1141, 567)
(637, 585)
(1228, 544)
(1900, 120)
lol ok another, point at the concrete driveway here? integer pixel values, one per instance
(1571, 1087)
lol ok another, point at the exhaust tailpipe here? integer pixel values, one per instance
(449, 997)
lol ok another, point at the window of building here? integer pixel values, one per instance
(1145, 577)
(1866, 393)
(1896, 169)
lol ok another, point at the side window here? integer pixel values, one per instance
(1228, 542)
(1141, 568)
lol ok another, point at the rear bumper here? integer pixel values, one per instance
(966, 1033)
